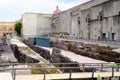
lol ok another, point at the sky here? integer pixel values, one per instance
(12, 10)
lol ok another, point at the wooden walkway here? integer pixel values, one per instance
(65, 76)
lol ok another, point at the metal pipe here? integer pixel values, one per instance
(44, 73)
(101, 67)
(93, 70)
(14, 78)
(70, 74)
(112, 71)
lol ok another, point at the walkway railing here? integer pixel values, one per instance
(88, 69)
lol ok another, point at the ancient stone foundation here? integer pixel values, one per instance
(92, 51)
(56, 57)
(42, 52)
(21, 57)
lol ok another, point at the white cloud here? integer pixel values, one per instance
(11, 10)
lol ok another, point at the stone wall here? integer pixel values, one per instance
(92, 51)
(43, 24)
(60, 22)
(59, 45)
(94, 20)
(36, 24)
(42, 52)
(29, 25)
(56, 57)
(21, 57)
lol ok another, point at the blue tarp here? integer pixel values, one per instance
(45, 42)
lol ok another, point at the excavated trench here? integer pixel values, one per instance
(56, 57)
(92, 51)
(21, 57)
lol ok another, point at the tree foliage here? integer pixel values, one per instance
(18, 26)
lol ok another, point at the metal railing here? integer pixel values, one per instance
(102, 67)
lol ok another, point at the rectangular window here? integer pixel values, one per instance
(5, 28)
(10, 29)
(0, 29)
(104, 36)
(113, 36)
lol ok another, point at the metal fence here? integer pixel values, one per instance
(83, 67)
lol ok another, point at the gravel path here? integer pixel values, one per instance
(7, 55)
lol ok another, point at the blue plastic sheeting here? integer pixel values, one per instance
(45, 42)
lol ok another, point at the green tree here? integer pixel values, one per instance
(18, 26)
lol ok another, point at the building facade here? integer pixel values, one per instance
(93, 20)
(6, 28)
(101, 20)
(36, 24)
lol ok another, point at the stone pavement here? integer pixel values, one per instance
(6, 76)
(7, 55)
(66, 76)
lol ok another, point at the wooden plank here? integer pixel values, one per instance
(65, 76)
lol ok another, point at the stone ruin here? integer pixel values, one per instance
(21, 57)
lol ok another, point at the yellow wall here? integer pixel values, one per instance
(6, 28)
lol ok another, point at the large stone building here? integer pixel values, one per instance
(95, 19)
(6, 28)
(102, 20)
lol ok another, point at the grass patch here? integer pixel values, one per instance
(54, 71)
(41, 70)
(25, 49)
(103, 48)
